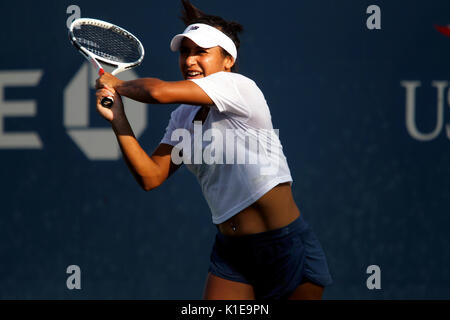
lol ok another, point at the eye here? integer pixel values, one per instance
(202, 51)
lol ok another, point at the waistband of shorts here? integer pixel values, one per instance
(296, 226)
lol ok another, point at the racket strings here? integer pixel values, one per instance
(109, 43)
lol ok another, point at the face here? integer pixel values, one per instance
(196, 62)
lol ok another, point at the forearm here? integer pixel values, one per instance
(143, 168)
(156, 91)
(143, 90)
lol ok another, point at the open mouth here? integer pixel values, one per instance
(193, 74)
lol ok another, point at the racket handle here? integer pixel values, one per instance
(107, 102)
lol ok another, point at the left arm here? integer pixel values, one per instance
(156, 91)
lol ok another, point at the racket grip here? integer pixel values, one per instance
(107, 102)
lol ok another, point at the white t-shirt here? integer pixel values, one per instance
(235, 154)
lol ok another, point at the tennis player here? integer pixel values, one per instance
(264, 248)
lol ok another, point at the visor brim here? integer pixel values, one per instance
(201, 41)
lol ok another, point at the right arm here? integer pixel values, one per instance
(149, 171)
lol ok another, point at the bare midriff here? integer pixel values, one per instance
(274, 210)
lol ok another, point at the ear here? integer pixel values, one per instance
(228, 62)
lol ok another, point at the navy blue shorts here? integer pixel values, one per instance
(273, 262)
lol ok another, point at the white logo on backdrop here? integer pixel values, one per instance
(96, 143)
(18, 108)
(410, 113)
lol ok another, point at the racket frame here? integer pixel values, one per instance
(95, 59)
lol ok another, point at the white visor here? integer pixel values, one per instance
(205, 36)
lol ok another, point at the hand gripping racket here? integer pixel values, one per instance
(100, 41)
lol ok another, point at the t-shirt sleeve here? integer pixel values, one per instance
(225, 92)
(173, 124)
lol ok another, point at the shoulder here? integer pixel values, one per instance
(244, 84)
(231, 76)
(230, 82)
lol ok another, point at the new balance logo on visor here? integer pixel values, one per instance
(193, 28)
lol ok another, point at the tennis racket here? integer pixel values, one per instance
(100, 41)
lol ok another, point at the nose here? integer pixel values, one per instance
(190, 60)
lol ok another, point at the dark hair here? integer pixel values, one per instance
(191, 15)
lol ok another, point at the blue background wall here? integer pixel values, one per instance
(372, 192)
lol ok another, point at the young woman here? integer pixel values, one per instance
(263, 249)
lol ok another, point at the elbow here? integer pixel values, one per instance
(147, 188)
(150, 183)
